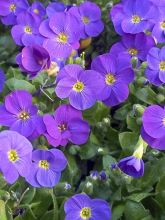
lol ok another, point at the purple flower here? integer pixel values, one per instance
(155, 72)
(135, 45)
(77, 84)
(55, 7)
(66, 125)
(45, 170)
(37, 9)
(33, 60)
(20, 114)
(159, 27)
(26, 32)
(116, 73)
(81, 206)
(153, 130)
(2, 80)
(10, 9)
(159, 3)
(15, 155)
(61, 33)
(89, 17)
(133, 16)
(132, 166)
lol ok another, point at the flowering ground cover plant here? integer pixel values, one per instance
(82, 110)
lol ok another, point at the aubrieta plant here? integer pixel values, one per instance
(82, 110)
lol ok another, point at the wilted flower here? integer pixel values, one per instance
(133, 165)
(82, 207)
(153, 130)
(155, 72)
(33, 60)
(45, 170)
(116, 74)
(75, 83)
(15, 155)
(62, 34)
(19, 113)
(66, 125)
(10, 9)
(2, 80)
(134, 45)
(55, 7)
(89, 16)
(26, 32)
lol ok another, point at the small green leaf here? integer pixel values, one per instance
(128, 141)
(14, 84)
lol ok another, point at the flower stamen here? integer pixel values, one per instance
(44, 164)
(109, 79)
(162, 66)
(12, 7)
(85, 20)
(85, 213)
(28, 29)
(24, 116)
(62, 38)
(136, 19)
(78, 86)
(12, 156)
(132, 51)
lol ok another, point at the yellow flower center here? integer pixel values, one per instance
(132, 51)
(62, 38)
(36, 11)
(12, 7)
(44, 164)
(162, 66)
(28, 29)
(162, 25)
(24, 115)
(85, 20)
(85, 213)
(78, 86)
(62, 127)
(164, 121)
(136, 19)
(109, 79)
(12, 155)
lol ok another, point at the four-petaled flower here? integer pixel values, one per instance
(82, 207)
(15, 155)
(19, 113)
(45, 170)
(66, 125)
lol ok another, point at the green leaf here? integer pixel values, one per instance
(14, 84)
(108, 161)
(128, 141)
(117, 212)
(135, 211)
(137, 197)
(146, 95)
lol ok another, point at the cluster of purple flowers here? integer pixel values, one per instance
(50, 33)
(141, 25)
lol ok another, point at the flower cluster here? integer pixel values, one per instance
(50, 39)
(141, 25)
